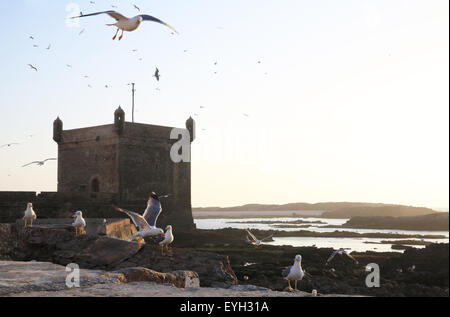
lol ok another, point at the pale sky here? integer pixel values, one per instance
(349, 103)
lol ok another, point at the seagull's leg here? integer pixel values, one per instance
(121, 36)
(25, 220)
(290, 287)
(162, 250)
(296, 289)
(117, 32)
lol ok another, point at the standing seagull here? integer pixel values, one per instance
(126, 24)
(79, 222)
(294, 273)
(40, 163)
(29, 215)
(168, 239)
(256, 241)
(145, 230)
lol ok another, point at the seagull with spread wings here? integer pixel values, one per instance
(127, 24)
(255, 241)
(40, 163)
(145, 230)
(8, 145)
(341, 252)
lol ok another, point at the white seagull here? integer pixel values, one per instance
(145, 230)
(79, 222)
(40, 163)
(168, 239)
(341, 252)
(126, 24)
(29, 215)
(294, 273)
(256, 241)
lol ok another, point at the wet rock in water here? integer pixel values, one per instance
(180, 279)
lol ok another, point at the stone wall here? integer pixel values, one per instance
(63, 205)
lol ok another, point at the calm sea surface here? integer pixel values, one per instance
(353, 244)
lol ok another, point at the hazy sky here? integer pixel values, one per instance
(349, 103)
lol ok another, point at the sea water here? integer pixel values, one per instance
(351, 244)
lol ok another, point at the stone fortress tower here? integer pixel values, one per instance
(126, 160)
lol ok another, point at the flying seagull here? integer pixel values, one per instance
(157, 75)
(145, 230)
(136, 7)
(126, 24)
(8, 145)
(294, 273)
(256, 241)
(40, 163)
(32, 67)
(341, 252)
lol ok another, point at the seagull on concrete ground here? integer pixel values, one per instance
(145, 230)
(168, 239)
(79, 224)
(255, 241)
(126, 24)
(341, 252)
(29, 215)
(40, 163)
(294, 273)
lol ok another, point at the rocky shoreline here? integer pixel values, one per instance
(220, 259)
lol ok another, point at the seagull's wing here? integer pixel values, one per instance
(332, 256)
(152, 213)
(351, 257)
(146, 17)
(36, 162)
(267, 238)
(286, 271)
(113, 14)
(137, 219)
(251, 235)
(51, 159)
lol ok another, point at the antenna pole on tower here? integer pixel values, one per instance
(133, 91)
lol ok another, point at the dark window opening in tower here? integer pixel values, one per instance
(95, 186)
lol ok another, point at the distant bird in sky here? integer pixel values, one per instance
(9, 145)
(127, 24)
(246, 115)
(136, 7)
(294, 273)
(40, 163)
(82, 31)
(255, 241)
(69, 66)
(36, 46)
(157, 75)
(49, 46)
(31, 37)
(32, 67)
(89, 86)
